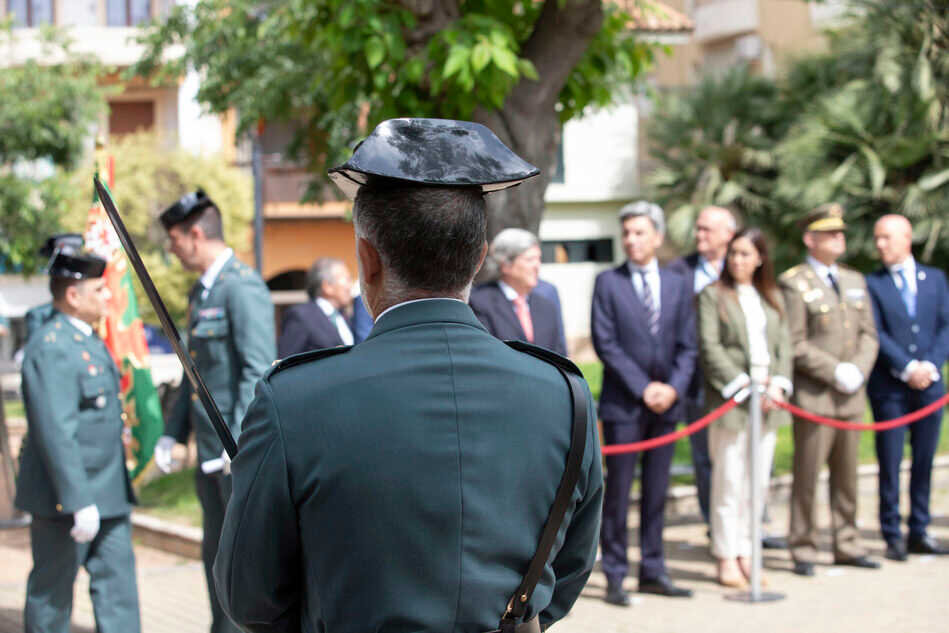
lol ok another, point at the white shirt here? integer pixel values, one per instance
(344, 332)
(706, 273)
(210, 275)
(79, 324)
(822, 271)
(908, 266)
(510, 294)
(651, 271)
(405, 303)
(756, 323)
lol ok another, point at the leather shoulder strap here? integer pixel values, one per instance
(518, 602)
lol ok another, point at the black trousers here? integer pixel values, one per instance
(213, 492)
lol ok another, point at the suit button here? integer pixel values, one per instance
(914, 329)
(913, 347)
(59, 507)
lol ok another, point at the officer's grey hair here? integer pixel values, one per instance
(643, 208)
(321, 270)
(510, 243)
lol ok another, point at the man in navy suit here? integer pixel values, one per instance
(714, 229)
(508, 307)
(911, 307)
(320, 322)
(643, 325)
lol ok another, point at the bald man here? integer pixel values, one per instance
(911, 307)
(714, 229)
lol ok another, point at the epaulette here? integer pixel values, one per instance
(792, 271)
(545, 355)
(305, 357)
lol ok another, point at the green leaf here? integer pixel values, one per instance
(505, 60)
(346, 14)
(877, 171)
(527, 69)
(457, 59)
(923, 77)
(480, 56)
(931, 182)
(375, 52)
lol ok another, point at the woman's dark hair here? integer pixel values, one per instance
(763, 278)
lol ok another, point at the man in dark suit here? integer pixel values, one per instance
(911, 307)
(714, 229)
(320, 322)
(643, 325)
(509, 308)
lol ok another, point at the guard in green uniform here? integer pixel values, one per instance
(72, 477)
(68, 244)
(402, 484)
(231, 338)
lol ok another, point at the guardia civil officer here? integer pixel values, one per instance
(402, 484)
(834, 342)
(72, 465)
(231, 338)
(68, 244)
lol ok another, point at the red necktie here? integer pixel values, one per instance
(524, 316)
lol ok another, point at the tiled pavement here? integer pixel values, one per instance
(901, 597)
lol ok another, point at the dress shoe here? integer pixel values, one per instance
(615, 594)
(858, 561)
(662, 585)
(773, 542)
(895, 551)
(803, 569)
(925, 545)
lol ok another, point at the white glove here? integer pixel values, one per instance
(847, 377)
(220, 464)
(163, 453)
(227, 462)
(86, 524)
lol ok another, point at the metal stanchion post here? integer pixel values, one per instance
(754, 594)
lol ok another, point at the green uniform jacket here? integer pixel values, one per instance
(402, 485)
(36, 317)
(725, 353)
(827, 330)
(72, 455)
(231, 339)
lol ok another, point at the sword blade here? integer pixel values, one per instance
(191, 371)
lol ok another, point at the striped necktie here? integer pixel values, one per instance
(652, 314)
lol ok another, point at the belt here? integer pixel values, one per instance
(531, 626)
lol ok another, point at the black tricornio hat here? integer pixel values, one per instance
(186, 206)
(434, 152)
(68, 243)
(76, 266)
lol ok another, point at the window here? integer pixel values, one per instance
(126, 117)
(31, 13)
(128, 12)
(576, 251)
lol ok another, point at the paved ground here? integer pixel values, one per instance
(901, 597)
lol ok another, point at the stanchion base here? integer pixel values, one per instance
(763, 596)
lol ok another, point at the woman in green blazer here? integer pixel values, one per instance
(743, 332)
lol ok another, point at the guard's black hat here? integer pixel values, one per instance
(188, 205)
(434, 152)
(76, 266)
(68, 243)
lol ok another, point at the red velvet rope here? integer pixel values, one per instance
(701, 423)
(662, 440)
(909, 418)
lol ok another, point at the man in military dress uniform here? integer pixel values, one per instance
(231, 338)
(835, 345)
(73, 478)
(68, 244)
(401, 484)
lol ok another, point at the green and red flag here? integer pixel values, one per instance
(124, 334)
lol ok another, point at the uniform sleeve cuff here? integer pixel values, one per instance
(740, 381)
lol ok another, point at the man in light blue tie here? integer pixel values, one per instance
(911, 307)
